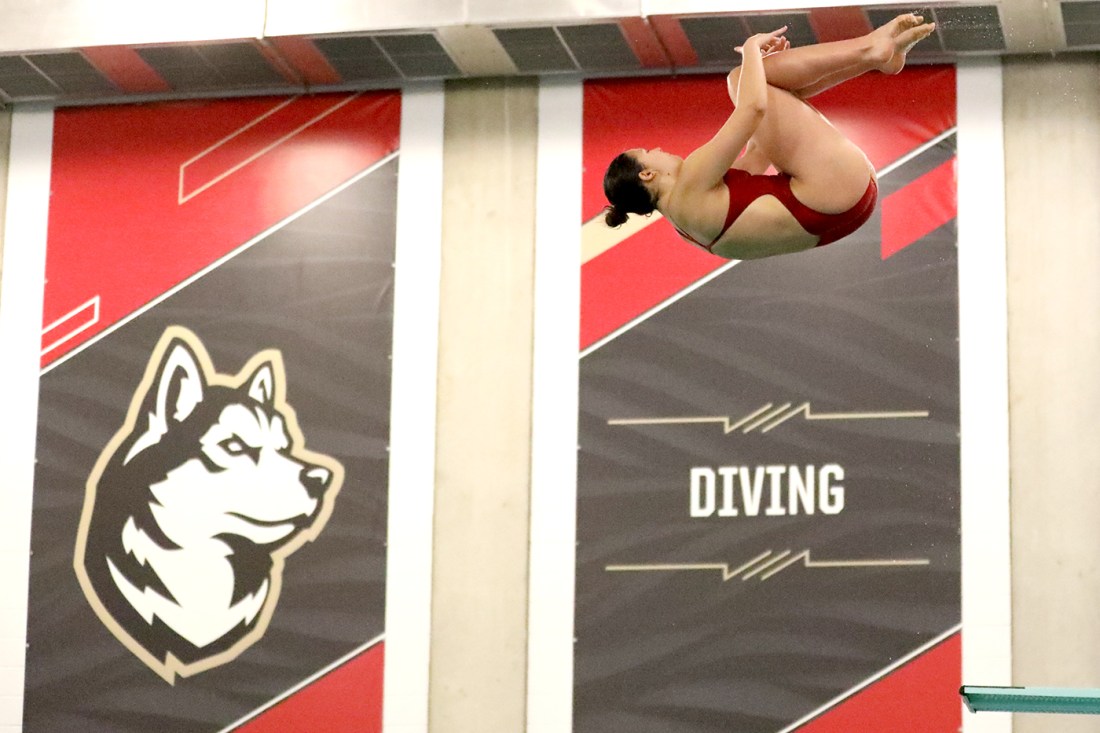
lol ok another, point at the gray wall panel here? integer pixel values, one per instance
(1052, 145)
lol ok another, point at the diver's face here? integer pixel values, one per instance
(656, 159)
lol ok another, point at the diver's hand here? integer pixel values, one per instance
(766, 43)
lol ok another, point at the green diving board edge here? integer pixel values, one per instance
(1031, 699)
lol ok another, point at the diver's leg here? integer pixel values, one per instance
(830, 173)
(829, 81)
(807, 70)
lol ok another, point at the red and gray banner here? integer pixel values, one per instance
(768, 479)
(210, 493)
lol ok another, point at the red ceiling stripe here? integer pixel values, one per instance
(675, 41)
(305, 57)
(644, 43)
(126, 69)
(837, 24)
(280, 64)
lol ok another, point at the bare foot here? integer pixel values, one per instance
(883, 39)
(904, 39)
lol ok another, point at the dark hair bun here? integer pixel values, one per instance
(613, 217)
(623, 187)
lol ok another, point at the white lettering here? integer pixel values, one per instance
(728, 474)
(775, 473)
(792, 490)
(751, 490)
(802, 490)
(702, 492)
(832, 497)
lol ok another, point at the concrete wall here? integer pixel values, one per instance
(479, 608)
(1052, 168)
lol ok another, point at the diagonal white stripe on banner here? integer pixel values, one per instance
(303, 684)
(922, 148)
(658, 308)
(220, 261)
(185, 197)
(872, 679)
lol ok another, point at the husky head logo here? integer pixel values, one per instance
(193, 506)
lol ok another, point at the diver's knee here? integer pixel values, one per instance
(732, 81)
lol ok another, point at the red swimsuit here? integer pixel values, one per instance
(744, 188)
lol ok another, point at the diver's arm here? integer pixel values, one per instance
(753, 160)
(704, 168)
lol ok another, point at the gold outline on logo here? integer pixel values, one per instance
(170, 666)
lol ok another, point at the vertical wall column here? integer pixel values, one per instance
(1052, 144)
(5, 153)
(479, 605)
(11, 678)
(983, 378)
(24, 231)
(554, 404)
(413, 410)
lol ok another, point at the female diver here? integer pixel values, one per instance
(717, 197)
